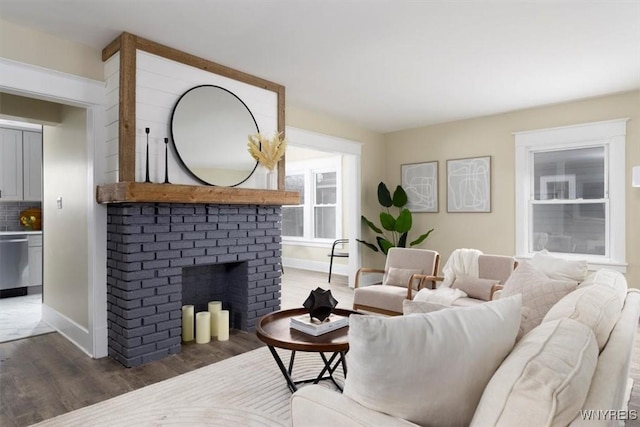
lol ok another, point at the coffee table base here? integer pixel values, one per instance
(330, 366)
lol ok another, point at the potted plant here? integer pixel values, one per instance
(397, 228)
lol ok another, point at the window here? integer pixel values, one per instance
(316, 217)
(570, 192)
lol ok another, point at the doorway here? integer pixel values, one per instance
(349, 153)
(79, 316)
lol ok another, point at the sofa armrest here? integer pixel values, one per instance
(315, 405)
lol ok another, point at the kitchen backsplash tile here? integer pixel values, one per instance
(10, 214)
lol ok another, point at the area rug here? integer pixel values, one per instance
(246, 390)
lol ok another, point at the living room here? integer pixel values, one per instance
(418, 136)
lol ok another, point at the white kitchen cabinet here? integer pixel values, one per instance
(32, 169)
(35, 260)
(11, 173)
(20, 165)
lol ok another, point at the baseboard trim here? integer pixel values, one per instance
(323, 267)
(74, 332)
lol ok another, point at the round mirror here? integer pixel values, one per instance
(209, 127)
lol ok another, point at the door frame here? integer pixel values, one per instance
(23, 79)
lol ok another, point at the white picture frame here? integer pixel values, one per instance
(420, 182)
(469, 184)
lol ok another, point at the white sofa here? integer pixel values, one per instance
(605, 387)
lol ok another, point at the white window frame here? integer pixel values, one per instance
(309, 168)
(611, 134)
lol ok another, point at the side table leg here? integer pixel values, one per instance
(286, 375)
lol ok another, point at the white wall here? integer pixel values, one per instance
(65, 263)
(112, 118)
(159, 84)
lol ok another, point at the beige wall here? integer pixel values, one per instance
(494, 232)
(23, 44)
(29, 109)
(65, 243)
(373, 163)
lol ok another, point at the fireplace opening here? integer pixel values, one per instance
(226, 282)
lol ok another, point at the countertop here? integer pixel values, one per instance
(17, 233)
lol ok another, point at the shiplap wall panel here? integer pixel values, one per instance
(112, 94)
(159, 84)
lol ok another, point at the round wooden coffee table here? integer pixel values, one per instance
(275, 331)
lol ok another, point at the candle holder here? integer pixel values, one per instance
(166, 161)
(146, 130)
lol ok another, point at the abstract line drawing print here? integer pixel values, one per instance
(420, 182)
(469, 185)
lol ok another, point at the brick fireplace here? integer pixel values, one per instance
(155, 250)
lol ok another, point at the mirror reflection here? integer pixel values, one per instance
(210, 126)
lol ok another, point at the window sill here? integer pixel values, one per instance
(592, 264)
(308, 243)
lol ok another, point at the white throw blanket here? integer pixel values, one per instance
(461, 262)
(442, 296)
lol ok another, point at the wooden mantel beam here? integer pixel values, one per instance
(141, 192)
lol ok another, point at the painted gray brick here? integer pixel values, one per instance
(156, 318)
(158, 336)
(182, 227)
(184, 244)
(169, 342)
(155, 300)
(161, 263)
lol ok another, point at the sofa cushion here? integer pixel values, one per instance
(611, 278)
(597, 307)
(419, 368)
(420, 307)
(539, 293)
(475, 287)
(399, 276)
(544, 381)
(380, 296)
(560, 269)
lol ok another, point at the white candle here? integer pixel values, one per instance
(214, 309)
(203, 327)
(187, 323)
(223, 325)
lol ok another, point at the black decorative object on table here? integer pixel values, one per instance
(320, 304)
(146, 130)
(166, 161)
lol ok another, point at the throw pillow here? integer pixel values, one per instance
(420, 307)
(560, 269)
(597, 307)
(399, 276)
(544, 381)
(475, 287)
(539, 293)
(430, 369)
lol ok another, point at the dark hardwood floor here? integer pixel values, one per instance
(46, 375)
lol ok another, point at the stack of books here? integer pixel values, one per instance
(306, 324)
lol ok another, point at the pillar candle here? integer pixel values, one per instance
(214, 309)
(223, 325)
(203, 327)
(187, 323)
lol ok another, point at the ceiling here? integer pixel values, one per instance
(384, 65)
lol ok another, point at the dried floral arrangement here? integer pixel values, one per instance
(267, 151)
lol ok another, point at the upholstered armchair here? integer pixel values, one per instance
(403, 274)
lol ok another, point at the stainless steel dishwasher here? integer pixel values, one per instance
(14, 265)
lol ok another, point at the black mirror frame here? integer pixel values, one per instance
(193, 175)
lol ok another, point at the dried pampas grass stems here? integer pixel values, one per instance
(267, 151)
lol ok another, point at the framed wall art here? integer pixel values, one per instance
(469, 185)
(420, 181)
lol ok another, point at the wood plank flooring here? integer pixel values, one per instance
(46, 375)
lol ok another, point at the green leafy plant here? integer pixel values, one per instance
(397, 228)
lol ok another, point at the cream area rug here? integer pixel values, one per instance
(245, 390)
